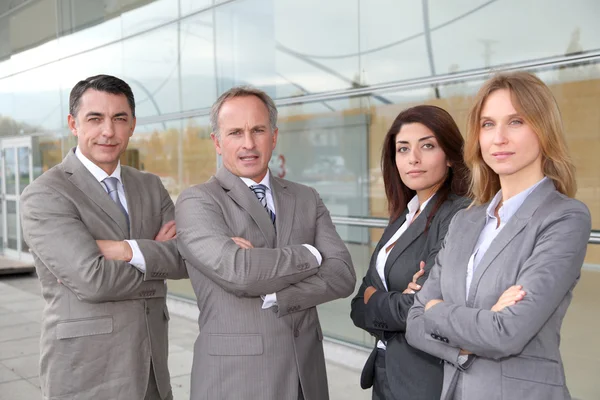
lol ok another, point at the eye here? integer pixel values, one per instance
(121, 119)
(402, 149)
(487, 124)
(234, 133)
(428, 146)
(516, 122)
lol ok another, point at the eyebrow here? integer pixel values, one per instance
(241, 129)
(509, 116)
(420, 140)
(99, 114)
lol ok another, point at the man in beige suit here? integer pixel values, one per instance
(261, 253)
(101, 235)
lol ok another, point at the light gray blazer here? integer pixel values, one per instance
(517, 353)
(243, 351)
(105, 322)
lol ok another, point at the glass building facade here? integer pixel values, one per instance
(340, 72)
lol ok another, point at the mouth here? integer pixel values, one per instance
(502, 155)
(415, 172)
(106, 146)
(248, 158)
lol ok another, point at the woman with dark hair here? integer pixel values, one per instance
(425, 178)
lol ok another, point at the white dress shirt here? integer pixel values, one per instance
(137, 260)
(382, 256)
(270, 300)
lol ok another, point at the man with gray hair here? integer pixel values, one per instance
(261, 253)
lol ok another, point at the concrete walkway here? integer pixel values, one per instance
(20, 314)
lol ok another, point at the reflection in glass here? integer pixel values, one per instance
(11, 224)
(24, 173)
(10, 170)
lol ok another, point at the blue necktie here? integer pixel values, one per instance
(260, 191)
(111, 185)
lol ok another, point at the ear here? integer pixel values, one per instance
(72, 123)
(133, 126)
(215, 140)
(275, 134)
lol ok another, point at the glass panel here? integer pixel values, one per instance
(10, 166)
(11, 224)
(335, 315)
(189, 6)
(197, 51)
(577, 346)
(473, 34)
(152, 71)
(148, 16)
(23, 154)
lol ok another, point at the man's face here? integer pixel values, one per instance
(103, 125)
(246, 140)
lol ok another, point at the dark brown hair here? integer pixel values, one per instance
(102, 83)
(448, 136)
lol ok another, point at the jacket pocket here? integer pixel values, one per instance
(533, 369)
(84, 327)
(235, 345)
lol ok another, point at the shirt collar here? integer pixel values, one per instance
(510, 206)
(413, 204)
(95, 170)
(265, 181)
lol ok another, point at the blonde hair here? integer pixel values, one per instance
(534, 102)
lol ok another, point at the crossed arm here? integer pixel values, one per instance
(54, 231)
(547, 276)
(292, 272)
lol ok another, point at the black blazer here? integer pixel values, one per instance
(412, 374)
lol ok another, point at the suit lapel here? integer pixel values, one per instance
(85, 181)
(285, 205)
(387, 234)
(414, 230)
(245, 198)
(134, 201)
(470, 231)
(516, 224)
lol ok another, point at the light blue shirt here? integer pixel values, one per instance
(491, 228)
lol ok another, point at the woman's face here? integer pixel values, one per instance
(508, 144)
(421, 162)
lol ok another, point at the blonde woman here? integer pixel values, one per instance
(493, 305)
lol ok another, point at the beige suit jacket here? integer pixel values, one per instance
(107, 321)
(243, 351)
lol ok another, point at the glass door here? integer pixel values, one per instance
(17, 173)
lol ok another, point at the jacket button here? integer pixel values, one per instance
(296, 333)
(147, 310)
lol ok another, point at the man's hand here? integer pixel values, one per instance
(243, 243)
(115, 250)
(510, 297)
(167, 232)
(432, 303)
(464, 352)
(368, 293)
(413, 286)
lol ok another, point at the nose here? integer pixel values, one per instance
(414, 157)
(108, 129)
(249, 140)
(500, 134)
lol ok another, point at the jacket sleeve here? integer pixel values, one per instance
(548, 276)
(358, 312)
(204, 241)
(162, 258)
(334, 279)
(53, 229)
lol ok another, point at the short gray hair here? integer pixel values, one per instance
(242, 91)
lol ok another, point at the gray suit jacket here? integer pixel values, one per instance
(243, 351)
(104, 324)
(516, 350)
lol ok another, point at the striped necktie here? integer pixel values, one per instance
(111, 185)
(260, 191)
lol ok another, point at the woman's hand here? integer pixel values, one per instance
(510, 297)
(413, 286)
(368, 293)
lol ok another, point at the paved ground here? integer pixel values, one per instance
(20, 314)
